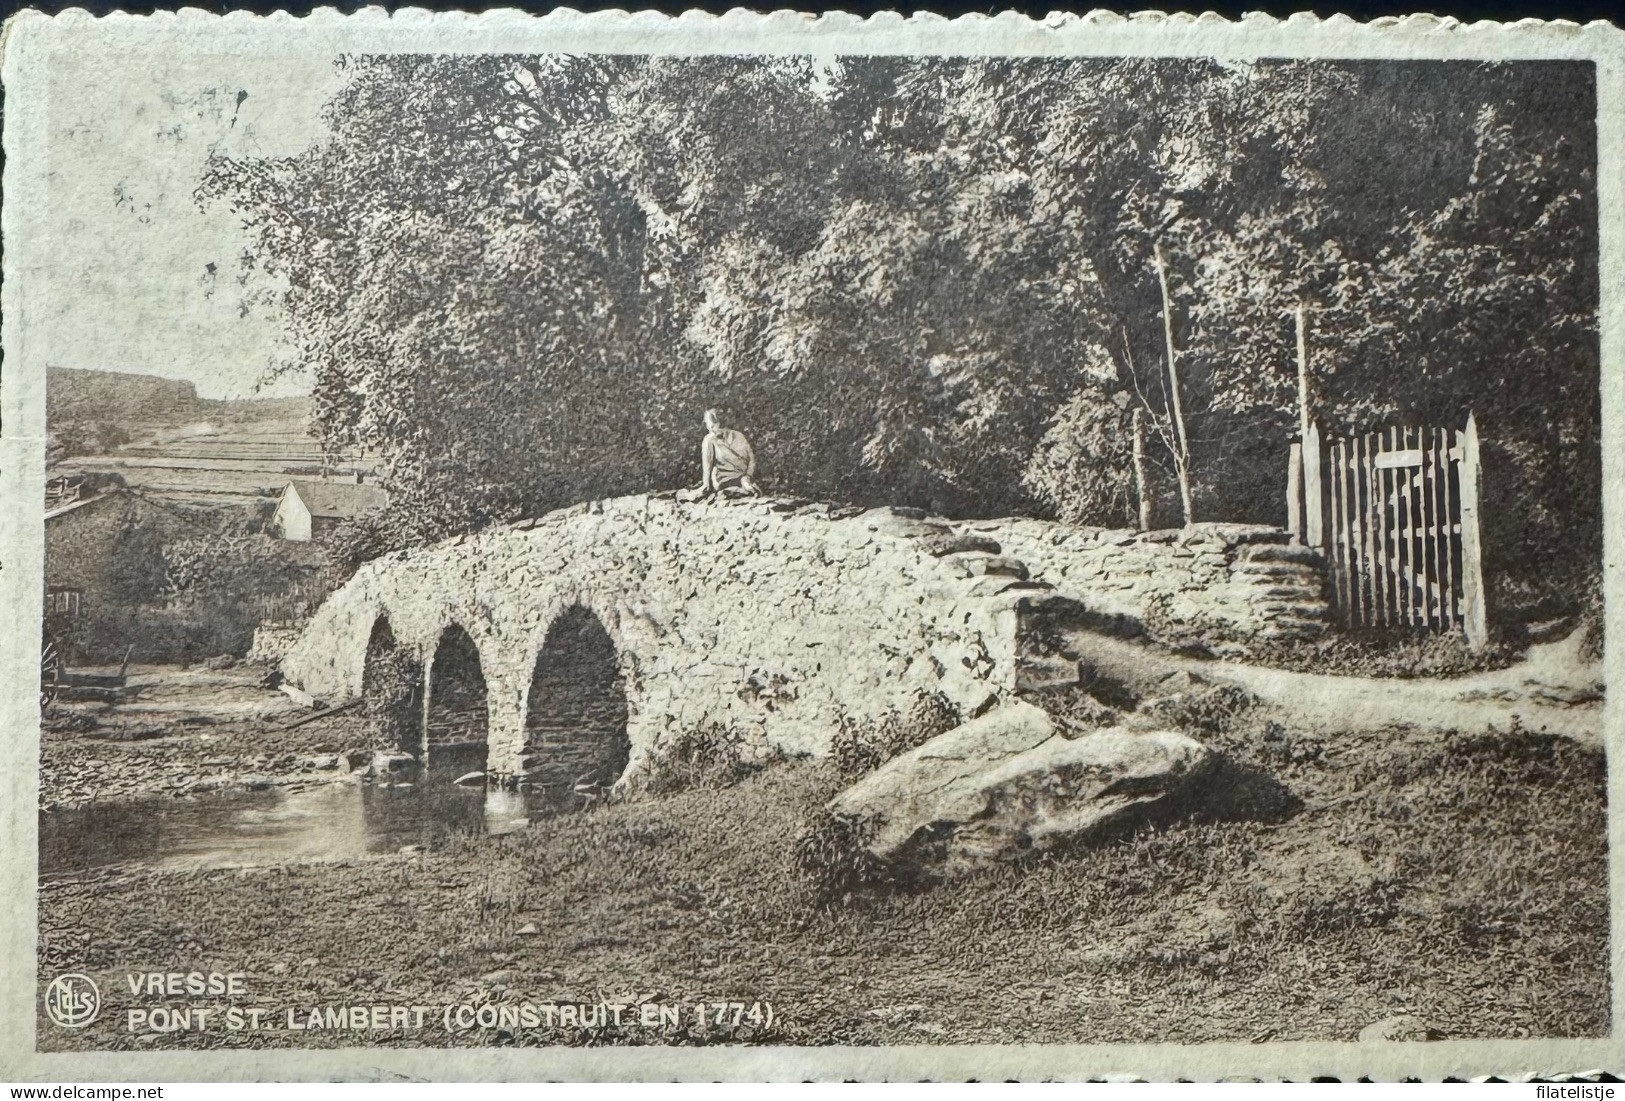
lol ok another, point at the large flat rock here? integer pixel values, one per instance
(1009, 782)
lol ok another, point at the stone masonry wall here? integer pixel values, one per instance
(773, 620)
(271, 643)
(1227, 586)
(770, 619)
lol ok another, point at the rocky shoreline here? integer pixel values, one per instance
(185, 733)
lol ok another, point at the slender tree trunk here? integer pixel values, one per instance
(1303, 373)
(1309, 433)
(1140, 488)
(1182, 453)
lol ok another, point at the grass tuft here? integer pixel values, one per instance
(861, 746)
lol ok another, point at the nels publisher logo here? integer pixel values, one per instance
(72, 1001)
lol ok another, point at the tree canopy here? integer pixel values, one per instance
(933, 281)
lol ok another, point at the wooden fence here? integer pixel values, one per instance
(1396, 514)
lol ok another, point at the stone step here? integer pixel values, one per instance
(981, 563)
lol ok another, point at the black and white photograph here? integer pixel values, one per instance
(746, 543)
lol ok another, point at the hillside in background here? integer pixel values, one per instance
(75, 394)
(93, 411)
(293, 412)
(157, 435)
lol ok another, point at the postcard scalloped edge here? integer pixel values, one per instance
(804, 22)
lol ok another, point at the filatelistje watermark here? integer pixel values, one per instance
(1572, 1093)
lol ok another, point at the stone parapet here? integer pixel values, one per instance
(1225, 586)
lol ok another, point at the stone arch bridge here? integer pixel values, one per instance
(770, 623)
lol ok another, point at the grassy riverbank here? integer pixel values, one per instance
(1460, 878)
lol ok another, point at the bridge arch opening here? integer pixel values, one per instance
(392, 688)
(576, 714)
(457, 717)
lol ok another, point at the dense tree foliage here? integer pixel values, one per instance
(933, 281)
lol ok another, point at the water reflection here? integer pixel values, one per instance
(329, 821)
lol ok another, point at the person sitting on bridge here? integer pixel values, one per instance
(727, 463)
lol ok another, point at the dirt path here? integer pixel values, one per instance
(1553, 690)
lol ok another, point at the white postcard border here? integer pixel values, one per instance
(31, 41)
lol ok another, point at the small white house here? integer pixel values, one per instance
(307, 507)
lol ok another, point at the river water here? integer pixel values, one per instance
(325, 821)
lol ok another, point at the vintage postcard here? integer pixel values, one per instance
(783, 547)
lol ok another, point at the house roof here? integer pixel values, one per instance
(338, 500)
(76, 505)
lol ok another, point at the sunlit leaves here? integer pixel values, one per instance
(918, 280)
